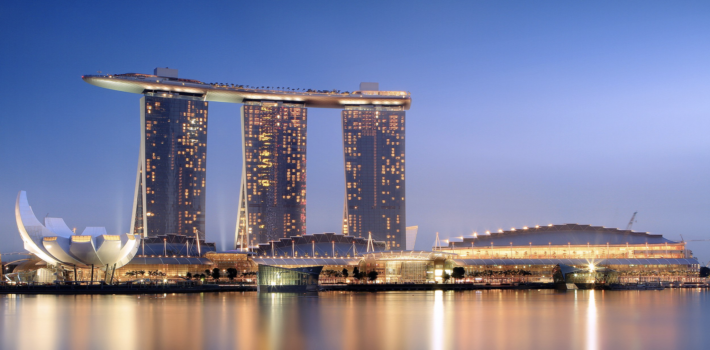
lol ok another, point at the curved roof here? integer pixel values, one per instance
(324, 244)
(410, 255)
(306, 261)
(94, 247)
(509, 262)
(574, 234)
(139, 260)
(138, 83)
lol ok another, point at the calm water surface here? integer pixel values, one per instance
(670, 319)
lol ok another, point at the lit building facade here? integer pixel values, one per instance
(318, 245)
(272, 203)
(568, 241)
(170, 184)
(373, 146)
(171, 179)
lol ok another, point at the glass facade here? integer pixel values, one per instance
(373, 146)
(417, 267)
(272, 202)
(170, 184)
(279, 279)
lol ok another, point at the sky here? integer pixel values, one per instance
(523, 113)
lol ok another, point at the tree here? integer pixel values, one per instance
(372, 275)
(189, 275)
(356, 273)
(446, 277)
(208, 272)
(215, 274)
(345, 272)
(232, 273)
(458, 273)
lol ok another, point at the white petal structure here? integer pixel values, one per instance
(55, 243)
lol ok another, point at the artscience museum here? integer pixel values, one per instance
(61, 248)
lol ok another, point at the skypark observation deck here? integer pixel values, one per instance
(233, 93)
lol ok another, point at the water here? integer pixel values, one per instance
(669, 319)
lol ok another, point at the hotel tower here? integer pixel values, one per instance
(373, 145)
(272, 198)
(171, 178)
(172, 162)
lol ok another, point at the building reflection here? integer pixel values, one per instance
(356, 321)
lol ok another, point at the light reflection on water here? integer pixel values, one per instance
(591, 323)
(394, 320)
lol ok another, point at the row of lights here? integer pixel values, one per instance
(500, 230)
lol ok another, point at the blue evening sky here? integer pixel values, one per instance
(523, 113)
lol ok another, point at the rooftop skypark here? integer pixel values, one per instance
(238, 93)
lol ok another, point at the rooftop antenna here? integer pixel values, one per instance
(631, 222)
(370, 247)
(437, 242)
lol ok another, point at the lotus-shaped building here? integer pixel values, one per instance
(56, 244)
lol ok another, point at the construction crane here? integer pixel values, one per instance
(631, 222)
(693, 240)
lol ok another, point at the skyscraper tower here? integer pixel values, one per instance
(272, 199)
(373, 146)
(170, 184)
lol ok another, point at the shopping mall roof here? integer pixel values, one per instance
(410, 255)
(306, 261)
(601, 262)
(157, 260)
(573, 234)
